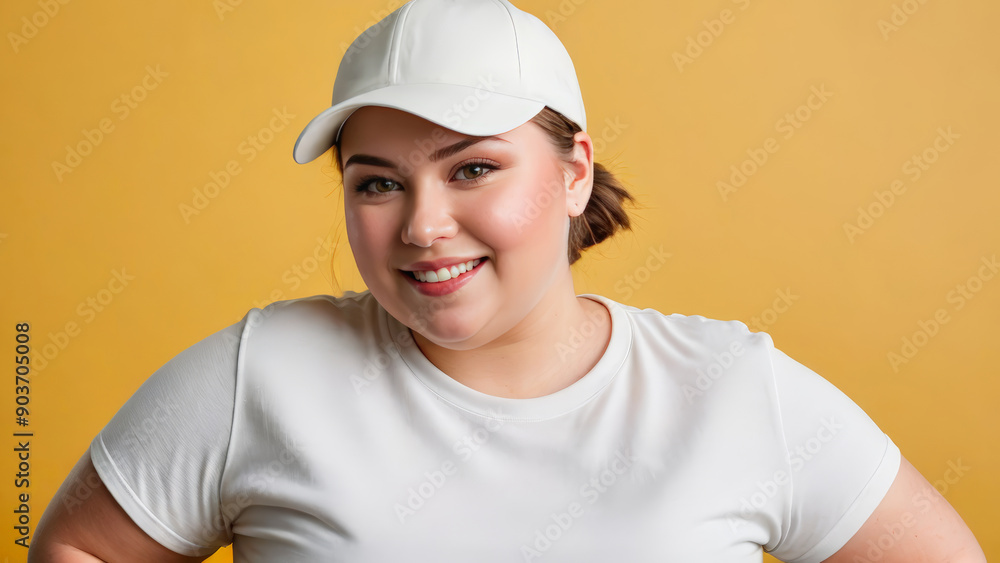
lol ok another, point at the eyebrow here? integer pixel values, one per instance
(437, 155)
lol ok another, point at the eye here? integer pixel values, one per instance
(471, 171)
(475, 171)
(376, 185)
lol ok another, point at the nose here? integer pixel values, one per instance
(428, 215)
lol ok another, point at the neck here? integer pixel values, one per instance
(545, 352)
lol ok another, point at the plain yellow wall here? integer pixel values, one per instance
(840, 244)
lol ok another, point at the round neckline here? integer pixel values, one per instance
(504, 408)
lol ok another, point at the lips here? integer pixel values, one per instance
(446, 273)
(449, 275)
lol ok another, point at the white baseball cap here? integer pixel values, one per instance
(478, 67)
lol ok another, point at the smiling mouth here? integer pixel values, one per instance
(445, 274)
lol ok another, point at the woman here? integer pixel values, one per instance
(471, 406)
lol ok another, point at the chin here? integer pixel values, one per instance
(455, 331)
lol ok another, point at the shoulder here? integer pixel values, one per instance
(688, 334)
(316, 308)
(313, 316)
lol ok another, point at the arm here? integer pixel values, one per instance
(915, 524)
(83, 524)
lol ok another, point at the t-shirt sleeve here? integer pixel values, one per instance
(162, 454)
(840, 463)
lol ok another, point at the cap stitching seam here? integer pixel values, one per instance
(517, 42)
(393, 61)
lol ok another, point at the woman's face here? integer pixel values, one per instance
(419, 198)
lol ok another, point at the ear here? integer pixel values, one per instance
(579, 174)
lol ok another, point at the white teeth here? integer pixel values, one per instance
(445, 274)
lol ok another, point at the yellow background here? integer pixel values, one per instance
(681, 127)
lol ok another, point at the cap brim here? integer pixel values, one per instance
(464, 109)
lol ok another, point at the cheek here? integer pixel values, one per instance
(368, 237)
(528, 212)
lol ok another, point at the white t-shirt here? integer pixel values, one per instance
(314, 429)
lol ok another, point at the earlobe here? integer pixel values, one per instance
(574, 209)
(577, 197)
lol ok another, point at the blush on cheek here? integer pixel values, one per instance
(526, 230)
(531, 207)
(355, 239)
(370, 242)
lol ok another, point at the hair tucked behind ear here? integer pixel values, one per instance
(605, 212)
